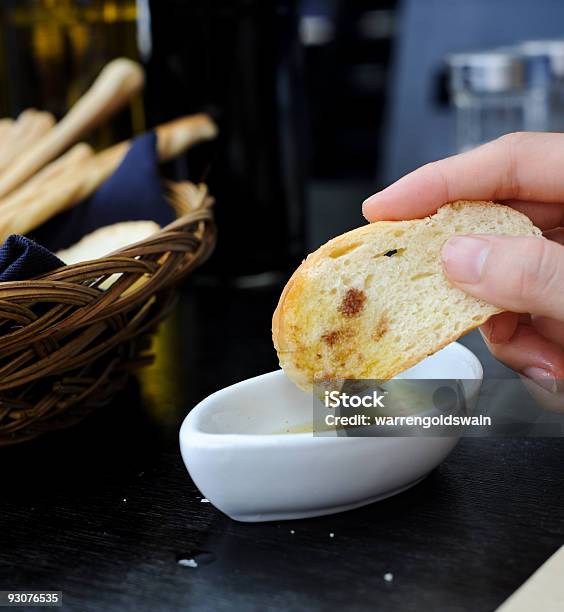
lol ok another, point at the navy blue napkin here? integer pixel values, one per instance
(21, 258)
(132, 193)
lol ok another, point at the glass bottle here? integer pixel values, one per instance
(489, 91)
(546, 63)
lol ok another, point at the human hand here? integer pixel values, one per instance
(523, 275)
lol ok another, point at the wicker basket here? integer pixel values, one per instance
(67, 345)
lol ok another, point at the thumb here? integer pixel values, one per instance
(522, 274)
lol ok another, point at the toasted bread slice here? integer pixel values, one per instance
(375, 301)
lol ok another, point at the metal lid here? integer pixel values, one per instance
(553, 49)
(495, 71)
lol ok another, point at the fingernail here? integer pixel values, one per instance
(464, 258)
(368, 203)
(541, 377)
(486, 330)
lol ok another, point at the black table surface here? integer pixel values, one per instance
(104, 511)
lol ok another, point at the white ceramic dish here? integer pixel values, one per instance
(253, 474)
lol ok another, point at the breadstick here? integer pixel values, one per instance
(47, 178)
(173, 138)
(29, 127)
(176, 136)
(73, 186)
(8, 133)
(115, 85)
(5, 126)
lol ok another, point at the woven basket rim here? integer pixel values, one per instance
(63, 330)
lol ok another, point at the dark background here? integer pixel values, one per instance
(320, 102)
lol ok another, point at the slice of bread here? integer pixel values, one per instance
(375, 301)
(106, 240)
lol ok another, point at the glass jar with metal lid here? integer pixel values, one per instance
(545, 63)
(489, 91)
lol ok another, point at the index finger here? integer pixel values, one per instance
(520, 166)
